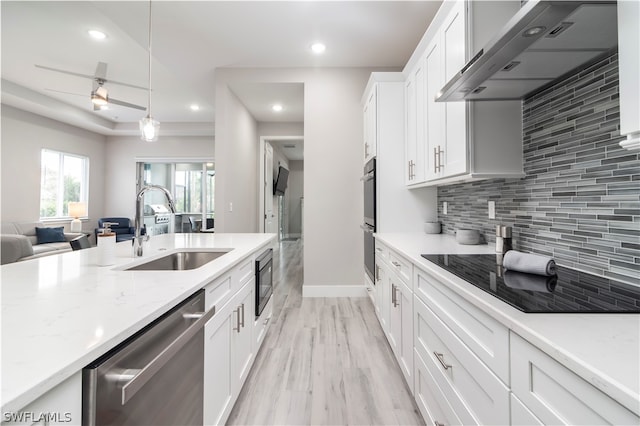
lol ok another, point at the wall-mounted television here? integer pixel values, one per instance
(281, 181)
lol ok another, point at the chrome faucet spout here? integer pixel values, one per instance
(138, 238)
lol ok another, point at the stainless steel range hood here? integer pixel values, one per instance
(543, 41)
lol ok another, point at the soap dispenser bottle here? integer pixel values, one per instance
(106, 245)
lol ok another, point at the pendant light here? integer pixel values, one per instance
(149, 127)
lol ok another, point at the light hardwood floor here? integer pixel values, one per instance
(323, 361)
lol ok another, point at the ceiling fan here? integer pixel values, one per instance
(99, 93)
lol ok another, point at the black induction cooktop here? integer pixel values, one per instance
(570, 291)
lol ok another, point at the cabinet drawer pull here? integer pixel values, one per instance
(394, 295)
(435, 155)
(396, 264)
(266, 321)
(441, 359)
(437, 423)
(237, 312)
(242, 307)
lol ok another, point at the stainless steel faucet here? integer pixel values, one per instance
(138, 238)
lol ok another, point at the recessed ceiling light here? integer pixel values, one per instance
(98, 35)
(277, 108)
(104, 107)
(195, 107)
(318, 48)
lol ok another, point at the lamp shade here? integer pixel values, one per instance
(149, 129)
(77, 209)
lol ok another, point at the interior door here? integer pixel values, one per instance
(269, 225)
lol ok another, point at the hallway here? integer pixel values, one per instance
(324, 361)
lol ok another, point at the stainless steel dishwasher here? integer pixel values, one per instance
(153, 378)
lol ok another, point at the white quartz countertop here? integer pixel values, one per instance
(603, 349)
(61, 312)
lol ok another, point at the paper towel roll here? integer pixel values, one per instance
(106, 249)
(529, 263)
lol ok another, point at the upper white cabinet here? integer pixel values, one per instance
(459, 140)
(370, 114)
(629, 69)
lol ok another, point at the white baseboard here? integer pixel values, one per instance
(334, 291)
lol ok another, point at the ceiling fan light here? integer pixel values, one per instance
(100, 96)
(149, 129)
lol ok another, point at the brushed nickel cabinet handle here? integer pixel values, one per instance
(237, 312)
(242, 307)
(396, 264)
(435, 156)
(437, 423)
(441, 359)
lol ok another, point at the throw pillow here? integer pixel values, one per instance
(50, 235)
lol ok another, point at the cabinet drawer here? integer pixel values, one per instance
(521, 416)
(458, 371)
(556, 395)
(382, 251)
(402, 267)
(434, 407)
(486, 337)
(244, 272)
(218, 291)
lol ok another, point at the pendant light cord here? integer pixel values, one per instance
(149, 98)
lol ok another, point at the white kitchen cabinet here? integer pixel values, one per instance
(463, 140)
(521, 415)
(261, 325)
(401, 327)
(218, 392)
(228, 351)
(629, 70)
(59, 406)
(477, 395)
(382, 292)
(370, 130)
(242, 353)
(414, 126)
(556, 395)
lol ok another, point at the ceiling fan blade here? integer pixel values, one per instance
(126, 104)
(66, 72)
(126, 84)
(101, 71)
(66, 93)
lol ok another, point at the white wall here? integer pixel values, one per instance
(238, 164)
(296, 191)
(121, 153)
(24, 135)
(280, 129)
(333, 253)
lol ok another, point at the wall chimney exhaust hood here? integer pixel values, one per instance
(542, 42)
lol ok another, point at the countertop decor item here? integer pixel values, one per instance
(468, 236)
(432, 227)
(529, 263)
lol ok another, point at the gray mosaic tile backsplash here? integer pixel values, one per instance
(580, 199)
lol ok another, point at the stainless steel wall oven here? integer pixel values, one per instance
(369, 220)
(264, 280)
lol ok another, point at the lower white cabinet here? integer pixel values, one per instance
(433, 406)
(62, 405)
(473, 390)
(243, 305)
(218, 395)
(521, 415)
(556, 395)
(261, 325)
(228, 354)
(401, 327)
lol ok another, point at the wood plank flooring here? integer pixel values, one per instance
(324, 361)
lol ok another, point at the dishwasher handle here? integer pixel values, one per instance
(143, 375)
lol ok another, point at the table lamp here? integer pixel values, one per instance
(77, 210)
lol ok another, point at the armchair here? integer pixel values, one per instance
(123, 230)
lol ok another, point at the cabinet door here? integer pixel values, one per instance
(453, 153)
(371, 125)
(415, 126)
(629, 69)
(218, 394)
(406, 346)
(382, 294)
(395, 315)
(242, 317)
(435, 111)
(61, 405)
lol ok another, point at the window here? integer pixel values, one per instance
(63, 178)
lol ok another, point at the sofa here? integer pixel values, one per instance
(121, 226)
(19, 241)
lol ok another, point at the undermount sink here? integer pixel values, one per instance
(179, 261)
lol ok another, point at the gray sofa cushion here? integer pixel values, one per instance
(14, 247)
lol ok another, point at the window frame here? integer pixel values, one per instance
(84, 183)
